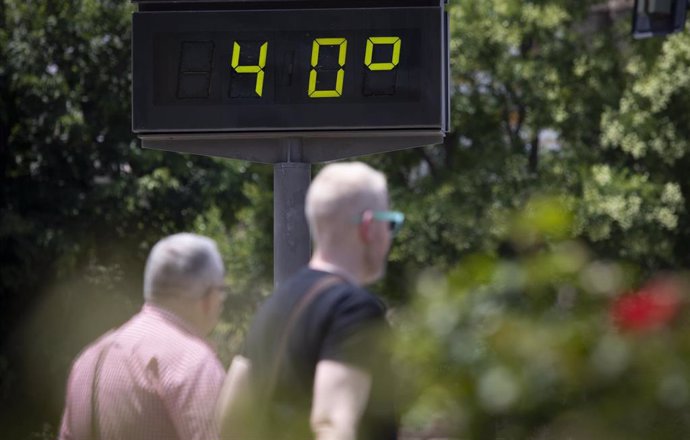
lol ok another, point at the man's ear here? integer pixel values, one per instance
(206, 303)
(364, 228)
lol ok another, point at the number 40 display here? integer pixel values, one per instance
(341, 43)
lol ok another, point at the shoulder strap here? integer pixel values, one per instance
(319, 287)
(95, 424)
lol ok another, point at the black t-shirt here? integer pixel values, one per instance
(344, 323)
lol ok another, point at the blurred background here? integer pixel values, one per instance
(537, 286)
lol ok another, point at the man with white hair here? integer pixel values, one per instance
(156, 377)
(314, 363)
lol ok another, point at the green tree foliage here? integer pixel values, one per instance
(76, 187)
(513, 335)
(551, 96)
(545, 344)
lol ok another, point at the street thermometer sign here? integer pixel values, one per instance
(243, 78)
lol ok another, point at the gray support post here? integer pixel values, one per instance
(291, 240)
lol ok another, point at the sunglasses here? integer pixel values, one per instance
(395, 219)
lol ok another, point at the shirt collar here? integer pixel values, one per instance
(152, 309)
(323, 266)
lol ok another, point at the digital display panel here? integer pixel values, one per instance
(283, 70)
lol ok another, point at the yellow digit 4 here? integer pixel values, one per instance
(369, 53)
(340, 76)
(258, 69)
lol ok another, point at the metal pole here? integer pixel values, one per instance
(291, 240)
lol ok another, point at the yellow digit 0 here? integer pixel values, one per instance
(369, 53)
(340, 76)
(258, 69)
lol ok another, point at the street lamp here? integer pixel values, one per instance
(658, 17)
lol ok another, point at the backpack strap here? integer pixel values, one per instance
(308, 298)
(95, 424)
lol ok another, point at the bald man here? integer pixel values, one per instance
(314, 364)
(156, 377)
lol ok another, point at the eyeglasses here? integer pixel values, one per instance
(395, 219)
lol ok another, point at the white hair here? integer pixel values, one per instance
(339, 194)
(182, 265)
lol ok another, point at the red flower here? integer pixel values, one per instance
(651, 307)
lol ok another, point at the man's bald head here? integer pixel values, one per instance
(339, 194)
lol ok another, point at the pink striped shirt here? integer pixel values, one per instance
(158, 379)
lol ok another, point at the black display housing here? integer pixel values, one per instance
(187, 97)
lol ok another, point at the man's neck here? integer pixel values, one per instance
(183, 310)
(335, 266)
